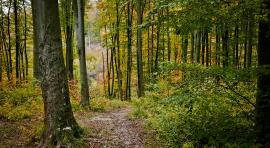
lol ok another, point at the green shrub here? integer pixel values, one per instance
(20, 103)
(208, 108)
(103, 104)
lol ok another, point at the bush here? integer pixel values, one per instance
(20, 103)
(208, 108)
(103, 104)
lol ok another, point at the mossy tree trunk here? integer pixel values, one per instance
(60, 125)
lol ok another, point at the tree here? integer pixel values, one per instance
(139, 48)
(60, 125)
(17, 40)
(129, 46)
(69, 38)
(79, 27)
(263, 94)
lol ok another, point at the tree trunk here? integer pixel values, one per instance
(139, 49)
(192, 48)
(60, 125)
(25, 39)
(118, 63)
(249, 40)
(69, 39)
(236, 46)
(263, 94)
(217, 46)
(225, 46)
(129, 56)
(157, 51)
(79, 20)
(108, 64)
(9, 39)
(207, 48)
(203, 47)
(17, 40)
(198, 46)
(184, 48)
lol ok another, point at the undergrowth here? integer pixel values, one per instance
(20, 102)
(205, 108)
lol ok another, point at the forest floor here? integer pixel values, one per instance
(116, 129)
(112, 129)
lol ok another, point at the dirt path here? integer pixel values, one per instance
(114, 129)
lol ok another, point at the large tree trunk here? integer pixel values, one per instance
(139, 49)
(79, 21)
(263, 94)
(60, 125)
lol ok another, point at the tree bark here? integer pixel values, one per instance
(79, 21)
(225, 46)
(25, 39)
(17, 40)
(263, 93)
(139, 49)
(69, 39)
(198, 46)
(129, 55)
(60, 125)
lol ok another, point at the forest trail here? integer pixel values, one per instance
(114, 129)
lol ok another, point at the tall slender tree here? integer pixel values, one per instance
(139, 49)
(78, 6)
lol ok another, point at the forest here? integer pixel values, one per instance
(135, 73)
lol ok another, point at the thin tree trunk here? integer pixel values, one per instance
(207, 48)
(118, 64)
(107, 63)
(157, 51)
(69, 39)
(129, 56)
(225, 46)
(217, 46)
(236, 46)
(103, 73)
(249, 40)
(139, 49)
(198, 46)
(79, 19)
(9, 39)
(203, 46)
(192, 48)
(25, 39)
(17, 40)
